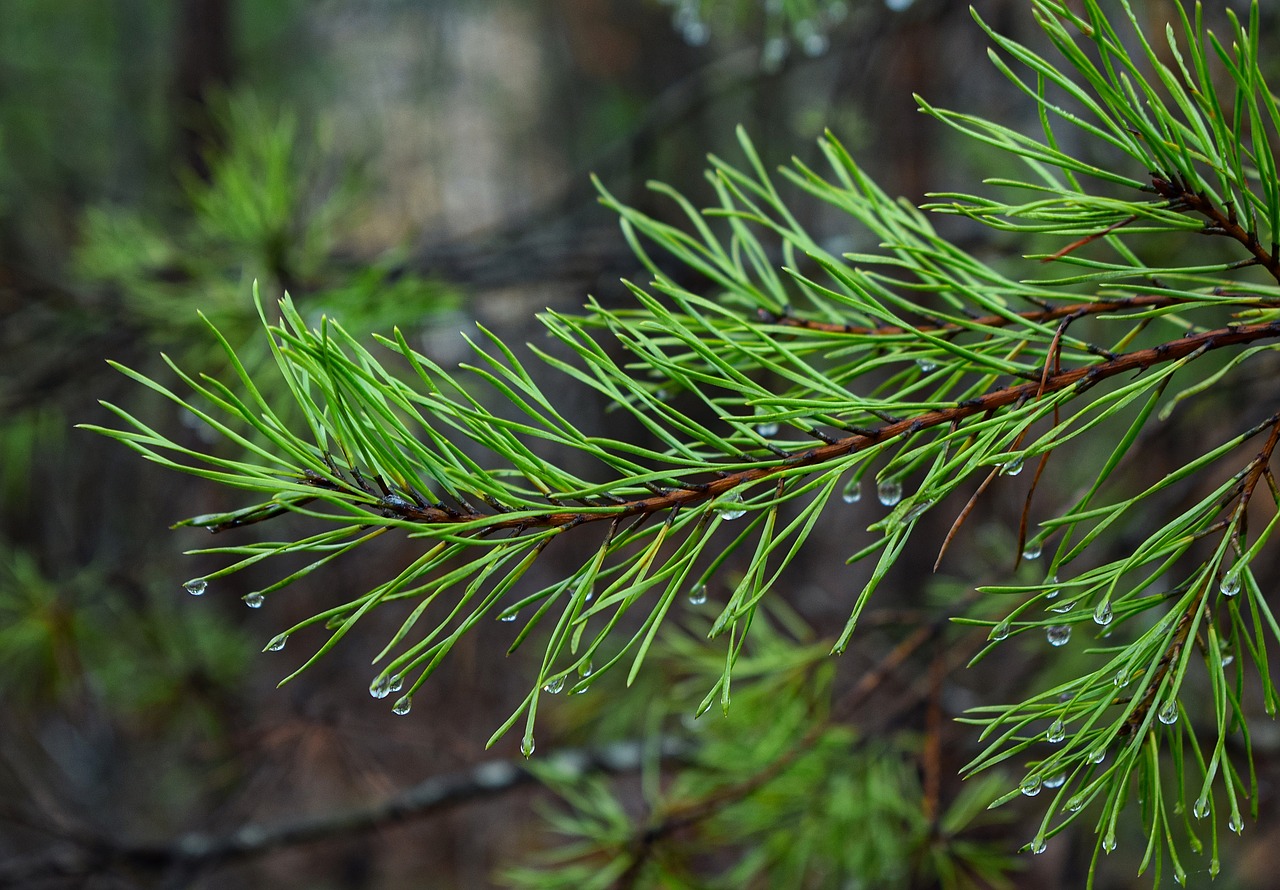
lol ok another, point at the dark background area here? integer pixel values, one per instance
(421, 164)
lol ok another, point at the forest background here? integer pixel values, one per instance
(424, 165)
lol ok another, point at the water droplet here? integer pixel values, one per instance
(898, 5)
(730, 506)
(1227, 658)
(1097, 755)
(852, 492)
(586, 670)
(1038, 846)
(1109, 842)
(1033, 550)
(526, 746)
(380, 687)
(1200, 809)
(916, 510)
(775, 53)
(1168, 714)
(1102, 614)
(1013, 467)
(1122, 678)
(1030, 786)
(1076, 803)
(402, 705)
(1058, 634)
(1049, 582)
(1214, 867)
(889, 491)
(1055, 734)
(1236, 823)
(1056, 781)
(698, 594)
(554, 686)
(696, 33)
(1230, 583)
(815, 44)
(509, 617)
(277, 642)
(254, 600)
(1000, 631)
(926, 365)
(1060, 608)
(1179, 876)
(396, 684)
(196, 586)
(767, 428)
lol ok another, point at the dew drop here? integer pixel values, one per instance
(852, 492)
(380, 687)
(509, 617)
(1236, 823)
(1168, 714)
(1076, 803)
(1214, 867)
(1179, 877)
(1122, 678)
(402, 705)
(1048, 582)
(1109, 842)
(1033, 550)
(586, 670)
(889, 492)
(926, 365)
(767, 428)
(554, 686)
(1013, 467)
(526, 746)
(1038, 846)
(696, 33)
(254, 600)
(1102, 614)
(1200, 809)
(1230, 583)
(1055, 734)
(916, 510)
(1058, 634)
(1056, 781)
(730, 506)
(898, 5)
(1097, 755)
(1227, 658)
(1030, 786)
(775, 53)
(815, 44)
(277, 642)
(1061, 608)
(196, 586)
(698, 594)
(396, 684)
(1000, 631)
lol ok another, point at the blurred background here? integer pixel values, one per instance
(420, 164)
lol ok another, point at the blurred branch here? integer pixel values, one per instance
(81, 857)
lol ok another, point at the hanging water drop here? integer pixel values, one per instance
(526, 746)
(1058, 634)
(1032, 550)
(1030, 786)
(889, 492)
(396, 684)
(730, 506)
(926, 365)
(1236, 823)
(1013, 467)
(509, 616)
(1168, 714)
(277, 642)
(698, 594)
(852, 492)
(553, 686)
(1109, 842)
(1230, 583)
(898, 5)
(1056, 733)
(1056, 781)
(380, 687)
(254, 600)
(766, 428)
(1102, 614)
(1038, 846)
(1076, 803)
(999, 632)
(1054, 591)
(403, 705)
(196, 586)
(1060, 608)
(1200, 809)
(586, 670)
(1122, 678)
(1097, 755)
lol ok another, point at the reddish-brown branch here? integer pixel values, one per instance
(1094, 307)
(1180, 194)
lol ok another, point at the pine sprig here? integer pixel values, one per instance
(796, 373)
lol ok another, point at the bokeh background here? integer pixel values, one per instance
(421, 164)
